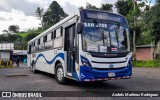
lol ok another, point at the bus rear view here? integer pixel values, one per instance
(105, 47)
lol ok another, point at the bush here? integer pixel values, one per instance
(149, 63)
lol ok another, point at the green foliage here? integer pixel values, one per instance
(27, 35)
(31, 36)
(9, 37)
(144, 38)
(20, 39)
(123, 7)
(133, 11)
(53, 15)
(106, 7)
(39, 13)
(152, 20)
(13, 28)
(149, 63)
(20, 44)
(89, 6)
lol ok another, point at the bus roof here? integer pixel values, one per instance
(66, 19)
(54, 26)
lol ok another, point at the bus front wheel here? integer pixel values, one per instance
(59, 74)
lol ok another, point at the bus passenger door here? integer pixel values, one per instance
(69, 46)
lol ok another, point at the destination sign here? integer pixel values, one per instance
(103, 16)
(100, 15)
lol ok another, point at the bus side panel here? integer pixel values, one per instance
(45, 61)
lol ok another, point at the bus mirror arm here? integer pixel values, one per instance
(79, 28)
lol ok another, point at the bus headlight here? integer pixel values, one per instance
(85, 61)
(130, 61)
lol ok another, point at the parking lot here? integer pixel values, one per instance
(23, 79)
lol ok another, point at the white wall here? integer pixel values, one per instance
(6, 46)
(5, 55)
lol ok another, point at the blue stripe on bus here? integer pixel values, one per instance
(61, 55)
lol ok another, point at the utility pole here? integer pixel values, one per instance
(134, 33)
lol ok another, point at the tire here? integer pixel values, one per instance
(34, 67)
(59, 74)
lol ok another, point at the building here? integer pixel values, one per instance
(6, 51)
(21, 53)
(144, 52)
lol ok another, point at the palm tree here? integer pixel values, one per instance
(39, 13)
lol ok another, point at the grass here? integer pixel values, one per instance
(24, 34)
(149, 63)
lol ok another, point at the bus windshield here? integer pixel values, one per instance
(105, 38)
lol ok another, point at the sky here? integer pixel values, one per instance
(22, 12)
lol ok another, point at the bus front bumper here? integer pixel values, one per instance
(91, 74)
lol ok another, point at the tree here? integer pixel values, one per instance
(31, 36)
(89, 6)
(123, 7)
(106, 7)
(13, 28)
(131, 9)
(20, 44)
(5, 32)
(39, 13)
(152, 19)
(54, 14)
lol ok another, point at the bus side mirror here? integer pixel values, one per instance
(79, 28)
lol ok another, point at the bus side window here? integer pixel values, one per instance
(54, 35)
(45, 39)
(61, 31)
(32, 48)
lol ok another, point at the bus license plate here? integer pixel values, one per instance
(111, 74)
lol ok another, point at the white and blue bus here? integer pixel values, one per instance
(90, 45)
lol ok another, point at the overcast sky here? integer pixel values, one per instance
(22, 12)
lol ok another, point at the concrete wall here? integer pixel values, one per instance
(144, 53)
(5, 55)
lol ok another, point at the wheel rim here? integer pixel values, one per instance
(60, 73)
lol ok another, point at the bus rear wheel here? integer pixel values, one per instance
(59, 74)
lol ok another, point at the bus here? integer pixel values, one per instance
(90, 45)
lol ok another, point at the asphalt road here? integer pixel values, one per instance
(23, 79)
